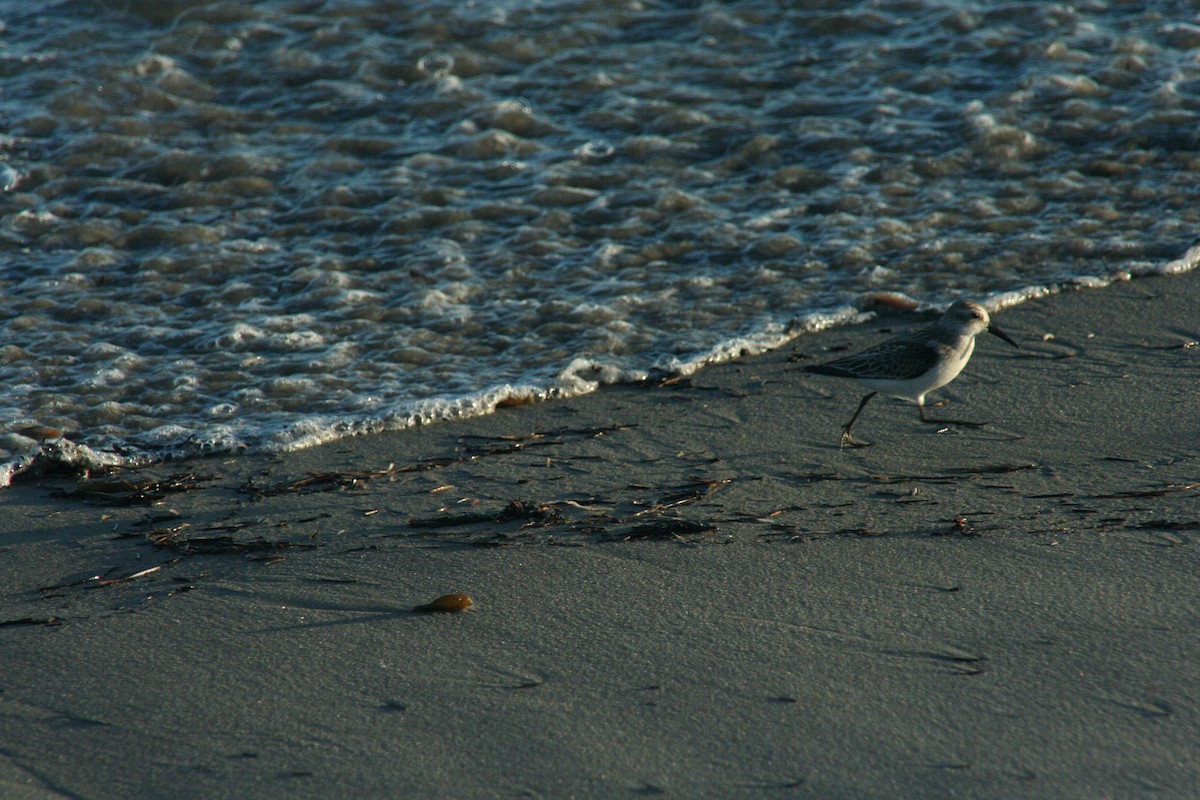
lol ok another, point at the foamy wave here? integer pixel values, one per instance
(60, 457)
(1185, 263)
(768, 338)
(582, 375)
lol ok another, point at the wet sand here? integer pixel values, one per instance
(681, 589)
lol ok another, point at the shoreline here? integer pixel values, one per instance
(62, 456)
(681, 589)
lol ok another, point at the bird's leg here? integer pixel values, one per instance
(934, 421)
(847, 439)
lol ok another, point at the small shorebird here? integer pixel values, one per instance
(913, 364)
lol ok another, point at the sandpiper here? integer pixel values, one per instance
(913, 364)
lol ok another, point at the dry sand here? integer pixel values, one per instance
(697, 593)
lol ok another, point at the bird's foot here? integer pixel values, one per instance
(850, 441)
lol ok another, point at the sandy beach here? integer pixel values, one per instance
(681, 589)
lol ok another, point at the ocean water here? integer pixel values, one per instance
(267, 225)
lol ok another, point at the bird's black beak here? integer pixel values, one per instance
(1003, 335)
